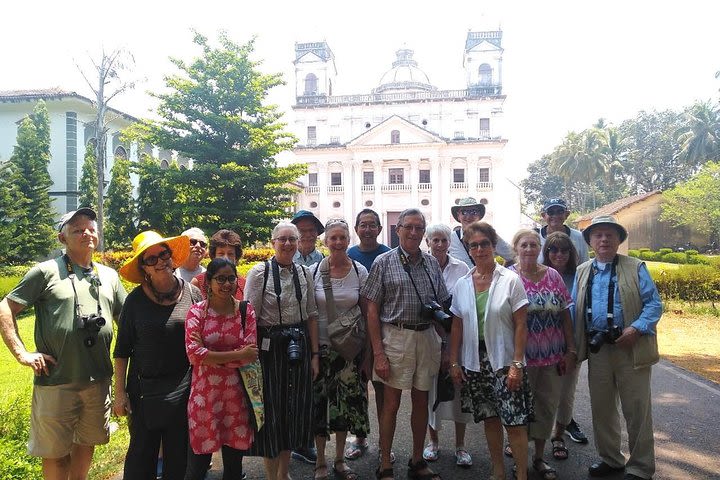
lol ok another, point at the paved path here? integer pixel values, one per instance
(686, 411)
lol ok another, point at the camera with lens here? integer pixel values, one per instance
(92, 322)
(434, 312)
(294, 348)
(596, 338)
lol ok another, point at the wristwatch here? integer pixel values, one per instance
(517, 364)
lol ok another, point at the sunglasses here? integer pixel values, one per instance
(483, 245)
(225, 279)
(556, 211)
(558, 250)
(194, 242)
(470, 211)
(153, 259)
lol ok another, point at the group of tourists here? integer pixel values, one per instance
(270, 365)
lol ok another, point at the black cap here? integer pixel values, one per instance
(89, 212)
(554, 202)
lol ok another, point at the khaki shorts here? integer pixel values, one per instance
(62, 415)
(414, 357)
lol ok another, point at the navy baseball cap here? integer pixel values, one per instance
(554, 202)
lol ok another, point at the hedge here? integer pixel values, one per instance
(667, 255)
(692, 283)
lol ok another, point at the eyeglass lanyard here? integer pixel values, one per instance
(95, 283)
(611, 294)
(457, 232)
(278, 289)
(406, 266)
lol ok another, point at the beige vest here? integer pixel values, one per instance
(645, 351)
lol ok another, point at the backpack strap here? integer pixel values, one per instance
(243, 313)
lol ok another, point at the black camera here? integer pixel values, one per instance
(434, 312)
(596, 338)
(294, 348)
(92, 324)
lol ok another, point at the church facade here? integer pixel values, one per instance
(405, 144)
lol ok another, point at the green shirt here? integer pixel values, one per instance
(48, 288)
(480, 303)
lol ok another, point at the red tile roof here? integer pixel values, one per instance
(617, 205)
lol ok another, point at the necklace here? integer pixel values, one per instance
(527, 273)
(483, 276)
(170, 295)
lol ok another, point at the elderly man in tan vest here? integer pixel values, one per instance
(618, 307)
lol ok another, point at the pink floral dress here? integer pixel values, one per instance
(217, 411)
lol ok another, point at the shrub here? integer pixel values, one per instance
(15, 270)
(674, 257)
(650, 256)
(691, 252)
(634, 253)
(15, 462)
(701, 260)
(644, 249)
(692, 283)
(252, 255)
(665, 250)
(113, 259)
(7, 284)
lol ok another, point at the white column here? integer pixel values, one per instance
(323, 182)
(355, 204)
(447, 199)
(472, 176)
(379, 180)
(348, 184)
(414, 180)
(436, 194)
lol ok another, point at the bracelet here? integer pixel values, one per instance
(517, 364)
(574, 352)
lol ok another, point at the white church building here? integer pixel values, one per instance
(407, 143)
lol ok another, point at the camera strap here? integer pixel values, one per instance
(406, 266)
(611, 294)
(457, 232)
(278, 288)
(93, 277)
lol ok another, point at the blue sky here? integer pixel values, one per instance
(566, 63)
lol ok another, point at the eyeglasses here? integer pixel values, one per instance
(153, 259)
(558, 250)
(225, 279)
(413, 228)
(556, 211)
(470, 211)
(195, 242)
(286, 239)
(482, 245)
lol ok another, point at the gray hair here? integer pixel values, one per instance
(195, 231)
(285, 224)
(522, 233)
(337, 222)
(410, 212)
(437, 228)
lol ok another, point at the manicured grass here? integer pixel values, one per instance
(15, 397)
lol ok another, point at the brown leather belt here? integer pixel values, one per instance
(417, 327)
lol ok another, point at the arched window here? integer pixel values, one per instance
(164, 164)
(121, 152)
(311, 84)
(485, 72)
(395, 136)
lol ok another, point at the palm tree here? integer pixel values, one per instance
(700, 140)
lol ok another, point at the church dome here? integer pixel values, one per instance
(404, 75)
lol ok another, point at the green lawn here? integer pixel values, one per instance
(15, 397)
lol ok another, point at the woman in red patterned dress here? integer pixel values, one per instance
(217, 344)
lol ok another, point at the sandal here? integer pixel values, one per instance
(355, 450)
(431, 452)
(320, 477)
(387, 473)
(421, 471)
(508, 451)
(559, 450)
(545, 470)
(346, 474)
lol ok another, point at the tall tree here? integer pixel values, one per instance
(88, 181)
(9, 212)
(31, 185)
(699, 139)
(120, 226)
(215, 112)
(106, 83)
(696, 202)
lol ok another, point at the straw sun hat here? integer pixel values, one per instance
(180, 247)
